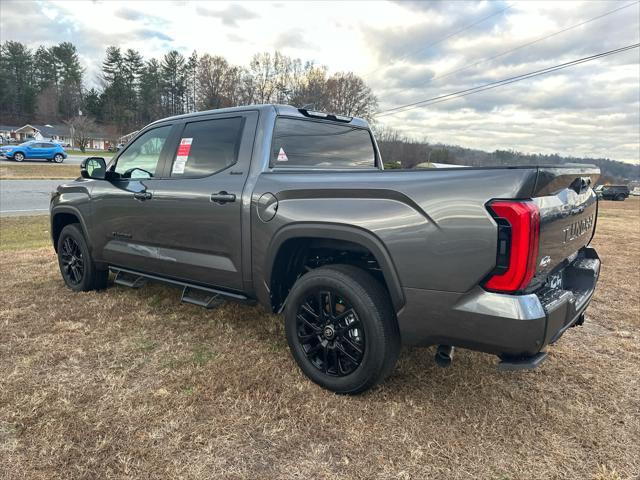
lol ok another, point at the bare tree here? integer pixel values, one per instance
(348, 94)
(81, 128)
(216, 82)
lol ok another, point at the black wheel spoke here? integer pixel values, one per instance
(307, 308)
(331, 311)
(334, 361)
(313, 326)
(347, 354)
(305, 337)
(66, 247)
(325, 360)
(351, 344)
(315, 349)
(321, 305)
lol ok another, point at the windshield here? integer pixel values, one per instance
(24, 144)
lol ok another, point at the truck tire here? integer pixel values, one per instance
(620, 197)
(78, 269)
(341, 328)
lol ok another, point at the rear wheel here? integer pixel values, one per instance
(341, 328)
(78, 270)
(58, 158)
(620, 197)
(18, 157)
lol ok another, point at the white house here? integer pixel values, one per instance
(7, 132)
(56, 133)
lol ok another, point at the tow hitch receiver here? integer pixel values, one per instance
(521, 363)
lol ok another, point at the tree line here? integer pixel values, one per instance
(49, 85)
(400, 151)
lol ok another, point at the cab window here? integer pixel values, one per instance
(315, 144)
(140, 159)
(207, 147)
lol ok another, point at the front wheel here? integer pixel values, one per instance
(341, 328)
(18, 157)
(58, 158)
(78, 270)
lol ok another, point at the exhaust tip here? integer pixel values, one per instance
(444, 356)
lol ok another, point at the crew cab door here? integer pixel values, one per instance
(195, 216)
(120, 214)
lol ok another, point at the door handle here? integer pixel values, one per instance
(223, 197)
(142, 196)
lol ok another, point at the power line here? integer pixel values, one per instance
(500, 83)
(527, 44)
(453, 34)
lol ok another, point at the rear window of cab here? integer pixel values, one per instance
(314, 144)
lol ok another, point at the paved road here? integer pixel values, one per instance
(26, 197)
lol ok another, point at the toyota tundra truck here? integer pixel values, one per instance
(293, 209)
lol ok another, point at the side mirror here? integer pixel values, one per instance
(93, 167)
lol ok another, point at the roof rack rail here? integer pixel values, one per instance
(328, 116)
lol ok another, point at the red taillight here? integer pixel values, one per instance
(523, 219)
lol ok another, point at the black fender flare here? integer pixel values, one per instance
(333, 231)
(76, 213)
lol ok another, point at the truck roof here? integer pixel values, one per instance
(285, 110)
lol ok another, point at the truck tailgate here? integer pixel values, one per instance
(568, 211)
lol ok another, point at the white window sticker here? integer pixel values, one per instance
(282, 157)
(182, 156)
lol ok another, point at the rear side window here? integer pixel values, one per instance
(208, 146)
(306, 143)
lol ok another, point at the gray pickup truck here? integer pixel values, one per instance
(292, 208)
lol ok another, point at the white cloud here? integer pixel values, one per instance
(405, 51)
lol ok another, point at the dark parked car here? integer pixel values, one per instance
(35, 149)
(613, 192)
(292, 208)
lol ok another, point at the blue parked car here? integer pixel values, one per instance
(35, 149)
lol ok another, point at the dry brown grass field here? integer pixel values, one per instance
(132, 384)
(38, 171)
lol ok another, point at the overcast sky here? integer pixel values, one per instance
(406, 51)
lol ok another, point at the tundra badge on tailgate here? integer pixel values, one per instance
(577, 229)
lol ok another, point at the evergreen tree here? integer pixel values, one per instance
(45, 71)
(92, 104)
(173, 75)
(17, 92)
(69, 79)
(132, 65)
(192, 82)
(114, 93)
(150, 92)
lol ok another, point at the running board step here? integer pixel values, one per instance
(131, 280)
(194, 294)
(202, 298)
(522, 363)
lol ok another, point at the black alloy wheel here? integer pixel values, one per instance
(72, 261)
(79, 271)
(330, 333)
(341, 328)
